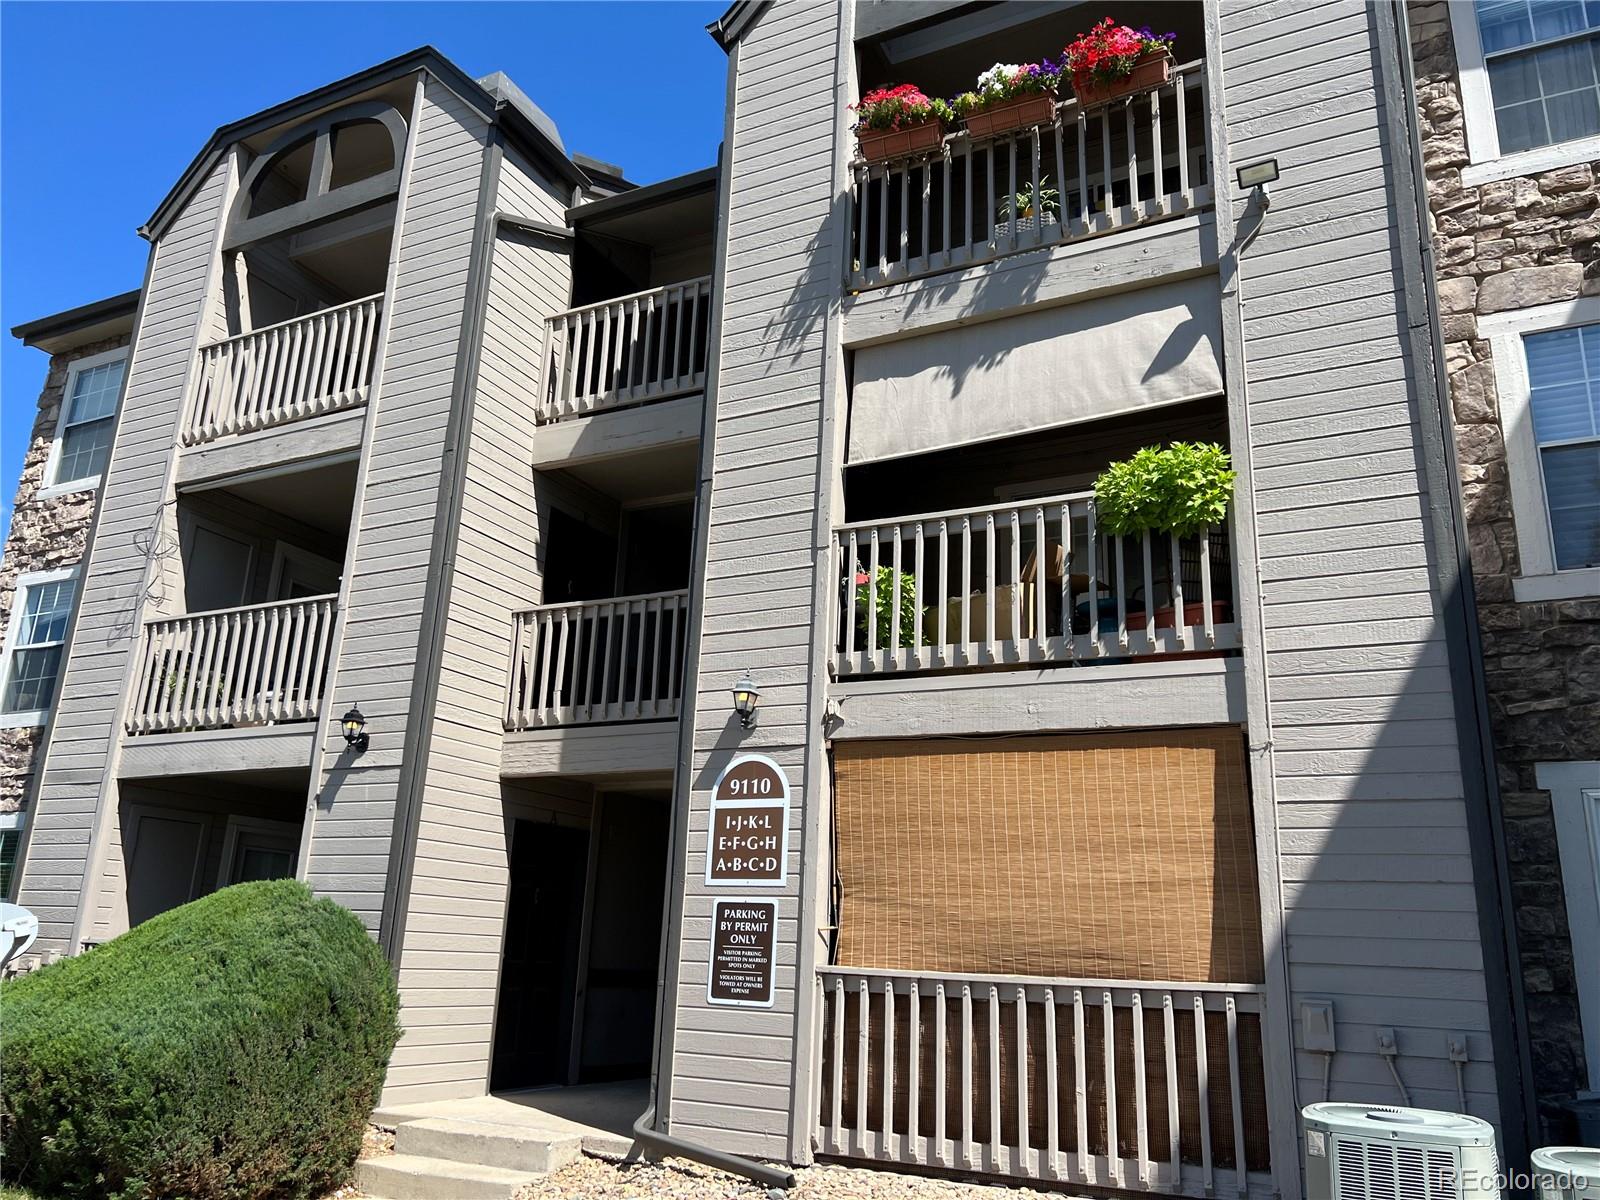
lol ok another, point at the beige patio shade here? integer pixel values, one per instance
(1056, 366)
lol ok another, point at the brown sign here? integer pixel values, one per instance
(747, 841)
(744, 936)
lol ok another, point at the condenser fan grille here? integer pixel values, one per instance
(1384, 1171)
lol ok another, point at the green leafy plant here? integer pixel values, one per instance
(1184, 488)
(228, 1049)
(1026, 205)
(884, 613)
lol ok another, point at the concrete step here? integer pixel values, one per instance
(412, 1177)
(511, 1147)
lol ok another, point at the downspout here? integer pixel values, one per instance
(1509, 1029)
(645, 1131)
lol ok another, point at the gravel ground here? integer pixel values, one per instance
(597, 1178)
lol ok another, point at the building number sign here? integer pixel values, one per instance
(747, 843)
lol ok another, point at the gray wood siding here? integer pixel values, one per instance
(77, 792)
(450, 956)
(732, 1068)
(1379, 904)
(349, 853)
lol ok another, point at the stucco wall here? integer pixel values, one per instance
(45, 535)
(1511, 244)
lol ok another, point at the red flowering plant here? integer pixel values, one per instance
(1109, 51)
(899, 107)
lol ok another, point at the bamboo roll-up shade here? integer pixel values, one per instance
(1106, 856)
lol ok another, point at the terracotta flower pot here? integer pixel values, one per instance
(880, 145)
(1154, 69)
(1193, 614)
(1020, 112)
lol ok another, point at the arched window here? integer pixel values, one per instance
(342, 161)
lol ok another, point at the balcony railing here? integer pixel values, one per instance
(258, 665)
(285, 372)
(1094, 1083)
(646, 346)
(1132, 161)
(597, 660)
(1030, 582)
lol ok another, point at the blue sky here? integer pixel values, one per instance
(102, 105)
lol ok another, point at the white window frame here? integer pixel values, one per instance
(1477, 111)
(1539, 579)
(1574, 789)
(239, 827)
(34, 718)
(53, 486)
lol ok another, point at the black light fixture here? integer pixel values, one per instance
(354, 727)
(745, 698)
(1256, 176)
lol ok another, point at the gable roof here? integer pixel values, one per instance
(495, 97)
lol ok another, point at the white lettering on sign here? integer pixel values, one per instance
(747, 841)
(744, 940)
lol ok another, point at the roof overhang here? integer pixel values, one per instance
(730, 26)
(501, 104)
(79, 326)
(647, 196)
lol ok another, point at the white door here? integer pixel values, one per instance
(216, 571)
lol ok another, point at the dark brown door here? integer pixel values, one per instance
(539, 974)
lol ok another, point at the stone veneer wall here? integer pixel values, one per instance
(44, 535)
(1511, 244)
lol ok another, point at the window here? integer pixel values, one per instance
(1574, 789)
(34, 646)
(1564, 396)
(1547, 372)
(10, 846)
(88, 420)
(1530, 84)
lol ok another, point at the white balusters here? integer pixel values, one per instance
(1013, 1046)
(597, 660)
(264, 663)
(1137, 159)
(1026, 583)
(624, 351)
(300, 368)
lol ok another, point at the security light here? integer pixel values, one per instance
(1258, 174)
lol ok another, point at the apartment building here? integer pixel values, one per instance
(685, 605)
(50, 517)
(1510, 129)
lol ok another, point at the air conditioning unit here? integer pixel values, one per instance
(1376, 1152)
(1567, 1173)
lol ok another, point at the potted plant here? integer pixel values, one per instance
(1010, 96)
(892, 122)
(1113, 60)
(1028, 208)
(1183, 489)
(883, 614)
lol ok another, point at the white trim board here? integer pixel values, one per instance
(1477, 112)
(1574, 789)
(49, 485)
(1538, 579)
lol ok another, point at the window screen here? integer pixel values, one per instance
(1543, 60)
(1564, 394)
(35, 659)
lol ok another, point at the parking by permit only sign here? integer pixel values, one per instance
(744, 941)
(747, 843)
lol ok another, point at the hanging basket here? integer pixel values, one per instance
(880, 145)
(1151, 71)
(1020, 112)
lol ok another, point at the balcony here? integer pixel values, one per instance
(1096, 1083)
(1139, 159)
(646, 346)
(262, 664)
(597, 661)
(1033, 582)
(286, 372)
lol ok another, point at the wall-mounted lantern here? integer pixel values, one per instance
(745, 698)
(354, 727)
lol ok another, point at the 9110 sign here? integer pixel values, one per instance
(747, 843)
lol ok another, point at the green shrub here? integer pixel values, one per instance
(1184, 488)
(232, 1048)
(885, 608)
